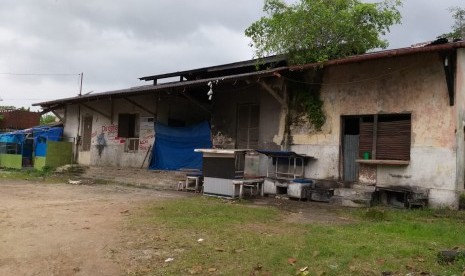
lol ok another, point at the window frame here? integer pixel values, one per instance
(129, 128)
(390, 130)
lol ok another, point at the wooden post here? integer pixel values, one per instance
(375, 136)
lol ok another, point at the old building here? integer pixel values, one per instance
(16, 119)
(391, 119)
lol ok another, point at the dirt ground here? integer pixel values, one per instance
(62, 229)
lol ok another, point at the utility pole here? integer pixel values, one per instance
(78, 136)
(80, 86)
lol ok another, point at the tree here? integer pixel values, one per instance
(319, 30)
(458, 29)
(47, 119)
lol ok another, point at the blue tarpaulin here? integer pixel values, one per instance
(174, 146)
(13, 137)
(42, 135)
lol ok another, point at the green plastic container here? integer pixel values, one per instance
(366, 155)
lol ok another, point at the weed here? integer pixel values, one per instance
(235, 237)
(462, 201)
(47, 174)
(373, 214)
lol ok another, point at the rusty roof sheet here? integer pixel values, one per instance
(250, 64)
(263, 73)
(384, 54)
(152, 88)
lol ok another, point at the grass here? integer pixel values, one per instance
(248, 240)
(46, 175)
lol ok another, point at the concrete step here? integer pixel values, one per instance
(347, 202)
(363, 187)
(320, 195)
(357, 196)
(353, 193)
(159, 180)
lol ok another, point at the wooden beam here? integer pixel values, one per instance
(375, 136)
(50, 109)
(449, 62)
(96, 111)
(273, 93)
(112, 110)
(140, 106)
(198, 103)
(58, 116)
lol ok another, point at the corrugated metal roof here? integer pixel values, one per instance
(249, 66)
(384, 54)
(152, 88)
(263, 73)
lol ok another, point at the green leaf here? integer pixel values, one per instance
(318, 30)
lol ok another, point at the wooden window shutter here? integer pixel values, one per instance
(393, 141)
(366, 138)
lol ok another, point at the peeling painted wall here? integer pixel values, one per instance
(107, 149)
(414, 84)
(460, 119)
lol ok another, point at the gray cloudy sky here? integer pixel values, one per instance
(115, 42)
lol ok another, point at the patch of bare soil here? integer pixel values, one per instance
(61, 229)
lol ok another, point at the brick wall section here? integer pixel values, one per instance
(19, 119)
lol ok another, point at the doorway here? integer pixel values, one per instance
(86, 132)
(350, 147)
(28, 149)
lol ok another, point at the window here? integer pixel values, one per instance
(128, 127)
(385, 136)
(131, 145)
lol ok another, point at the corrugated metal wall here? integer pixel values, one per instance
(350, 155)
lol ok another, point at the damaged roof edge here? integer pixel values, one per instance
(152, 88)
(239, 64)
(382, 54)
(269, 72)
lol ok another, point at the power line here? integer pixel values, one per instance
(38, 74)
(27, 99)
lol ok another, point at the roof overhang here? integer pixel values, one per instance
(160, 87)
(441, 48)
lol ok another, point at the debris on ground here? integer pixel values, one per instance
(72, 169)
(450, 256)
(196, 269)
(75, 182)
(291, 261)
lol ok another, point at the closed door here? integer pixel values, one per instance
(350, 155)
(87, 133)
